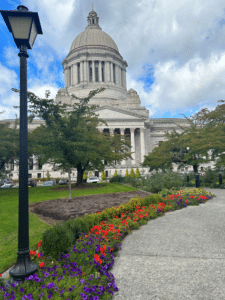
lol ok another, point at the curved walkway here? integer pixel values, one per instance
(178, 256)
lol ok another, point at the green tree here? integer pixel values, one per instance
(115, 174)
(138, 173)
(202, 141)
(103, 176)
(70, 138)
(9, 145)
(132, 174)
(48, 176)
(126, 175)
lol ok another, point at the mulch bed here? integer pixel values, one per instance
(61, 210)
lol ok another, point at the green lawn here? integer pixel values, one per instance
(9, 216)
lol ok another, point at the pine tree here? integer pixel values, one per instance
(132, 175)
(115, 174)
(126, 175)
(137, 173)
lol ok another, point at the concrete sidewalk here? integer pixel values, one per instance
(178, 256)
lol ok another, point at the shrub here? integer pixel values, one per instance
(115, 174)
(164, 180)
(138, 173)
(126, 175)
(103, 177)
(56, 240)
(117, 179)
(132, 175)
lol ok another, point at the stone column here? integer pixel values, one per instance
(81, 71)
(93, 71)
(132, 145)
(142, 142)
(75, 74)
(123, 162)
(111, 131)
(85, 71)
(125, 80)
(111, 65)
(66, 77)
(100, 71)
(35, 163)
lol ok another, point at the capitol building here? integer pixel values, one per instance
(94, 61)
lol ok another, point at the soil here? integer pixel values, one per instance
(61, 210)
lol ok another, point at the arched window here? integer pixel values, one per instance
(93, 21)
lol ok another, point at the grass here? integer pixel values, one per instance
(83, 273)
(9, 216)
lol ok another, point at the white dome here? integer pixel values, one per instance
(93, 36)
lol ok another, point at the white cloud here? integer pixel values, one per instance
(11, 56)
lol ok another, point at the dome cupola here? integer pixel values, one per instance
(93, 62)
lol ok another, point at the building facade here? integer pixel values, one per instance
(93, 62)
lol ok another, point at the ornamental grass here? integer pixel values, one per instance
(83, 272)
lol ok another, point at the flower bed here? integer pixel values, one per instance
(83, 273)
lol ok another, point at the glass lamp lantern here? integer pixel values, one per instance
(23, 24)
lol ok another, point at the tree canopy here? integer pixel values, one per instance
(70, 137)
(202, 141)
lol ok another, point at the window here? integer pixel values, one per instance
(96, 74)
(96, 173)
(12, 165)
(30, 164)
(39, 166)
(114, 73)
(39, 175)
(106, 173)
(29, 175)
(90, 73)
(78, 73)
(93, 21)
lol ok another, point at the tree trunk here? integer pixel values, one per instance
(80, 172)
(70, 184)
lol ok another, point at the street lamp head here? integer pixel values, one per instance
(23, 24)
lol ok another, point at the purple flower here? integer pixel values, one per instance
(24, 297)
(56, 289)
(70, 289)
(21, 290)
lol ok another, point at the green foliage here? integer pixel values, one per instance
(84, 175)
(126, 175)
(138, 173)
(132, 174)
(117, 179)
(48, 176)
(205, 132)
(103, 176)
(115, 174)
(56, 240)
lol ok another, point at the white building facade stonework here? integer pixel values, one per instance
(93, 62)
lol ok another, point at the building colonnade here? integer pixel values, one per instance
(86, 71)
(131, 132)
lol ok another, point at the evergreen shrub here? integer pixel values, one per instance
(56, 240)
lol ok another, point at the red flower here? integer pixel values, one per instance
(41, 265)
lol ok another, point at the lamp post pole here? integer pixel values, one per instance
(24, 26)
(24, 266)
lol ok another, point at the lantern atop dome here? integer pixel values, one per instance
(93, 19)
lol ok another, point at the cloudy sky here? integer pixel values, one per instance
(174, 49)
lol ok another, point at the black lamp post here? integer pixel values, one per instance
(24, 26)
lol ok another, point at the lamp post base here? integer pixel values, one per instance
(24, 267)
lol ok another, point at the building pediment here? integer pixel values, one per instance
(107, 112)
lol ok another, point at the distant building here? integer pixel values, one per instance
(93, 62)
